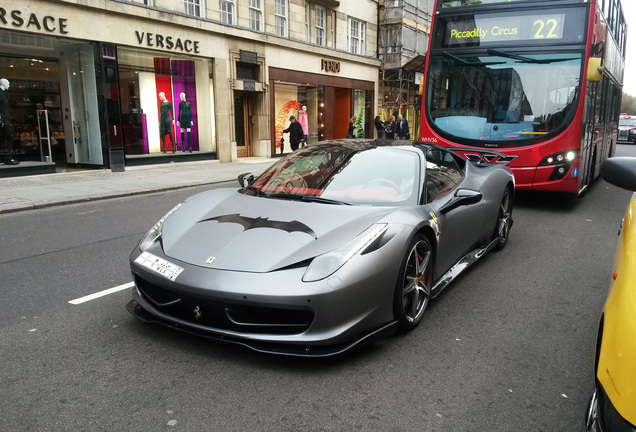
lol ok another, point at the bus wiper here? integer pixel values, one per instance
(523, 59)
(467, 63)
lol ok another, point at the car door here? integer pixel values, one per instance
(460, 227)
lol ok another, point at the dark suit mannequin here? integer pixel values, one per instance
(185, 122)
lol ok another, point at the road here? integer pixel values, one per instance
(508, 347)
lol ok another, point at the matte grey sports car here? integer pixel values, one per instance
(334, 245)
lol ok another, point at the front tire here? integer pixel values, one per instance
(504, 220)
(413, 288)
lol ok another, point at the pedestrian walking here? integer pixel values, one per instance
(295, 131)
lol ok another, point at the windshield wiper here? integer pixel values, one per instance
(523, 59)
(313, 198)
(467, 63)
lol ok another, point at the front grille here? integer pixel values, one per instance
(623, 134)
(225, 315)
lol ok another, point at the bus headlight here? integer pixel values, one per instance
(566, 157)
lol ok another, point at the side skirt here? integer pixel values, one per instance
(461, 265)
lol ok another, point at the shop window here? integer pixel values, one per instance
(321, 21)
(280, 12)
(166, 103)
(356, 36)
(34, 88)
(306, 103)
(360, 111)
(193, 7)
(256, 15)
(227, 8)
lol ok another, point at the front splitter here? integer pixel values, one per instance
(287, 349)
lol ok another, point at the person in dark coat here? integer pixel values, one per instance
(402, 128)
(352, 131)
(379, 126)
(390, 128)
(296, 133)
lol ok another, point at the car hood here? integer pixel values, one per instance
(225, 230)
(627, 128)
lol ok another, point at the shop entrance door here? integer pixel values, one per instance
(86, 136)
(242, 125)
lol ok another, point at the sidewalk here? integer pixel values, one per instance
(39, 191)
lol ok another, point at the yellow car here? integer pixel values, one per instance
(613, 405)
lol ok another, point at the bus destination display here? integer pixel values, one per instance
(482, 29)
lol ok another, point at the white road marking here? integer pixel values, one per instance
(101, 293)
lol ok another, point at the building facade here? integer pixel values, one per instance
(111, 82)
(404, 31)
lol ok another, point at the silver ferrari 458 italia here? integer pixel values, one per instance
(334, 245)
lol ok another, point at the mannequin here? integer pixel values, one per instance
(6, 133)
(166, 120)
(185, 121)
(302, 119)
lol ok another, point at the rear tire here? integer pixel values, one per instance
(413, 287)
(504, 220)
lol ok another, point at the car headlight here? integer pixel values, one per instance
(327, 264)
(154, 233)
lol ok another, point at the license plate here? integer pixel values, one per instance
(159, 265)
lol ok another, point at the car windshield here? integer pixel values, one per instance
(343, 174)
(502, 98)
(627, 122)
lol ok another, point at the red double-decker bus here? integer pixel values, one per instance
(537, 80)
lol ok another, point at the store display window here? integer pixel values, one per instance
(166, 103)
(34, 106)
(304, 102)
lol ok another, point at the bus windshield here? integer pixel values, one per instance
(501, 97)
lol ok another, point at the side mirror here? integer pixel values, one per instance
(246, 179)
(462, 197)
(595, 69)
(620, 171)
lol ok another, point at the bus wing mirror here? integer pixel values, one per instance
(595, 69)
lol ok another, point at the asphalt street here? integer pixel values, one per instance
(508, 346)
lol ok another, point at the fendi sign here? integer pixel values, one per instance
(332, 66)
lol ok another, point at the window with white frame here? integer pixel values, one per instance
(256, 15)
(321, 24)
(307, 22)
(333, 29)
(227, 8)
(356, 36)
(280, 12)
(193, 7)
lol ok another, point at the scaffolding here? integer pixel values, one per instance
(404, 31)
